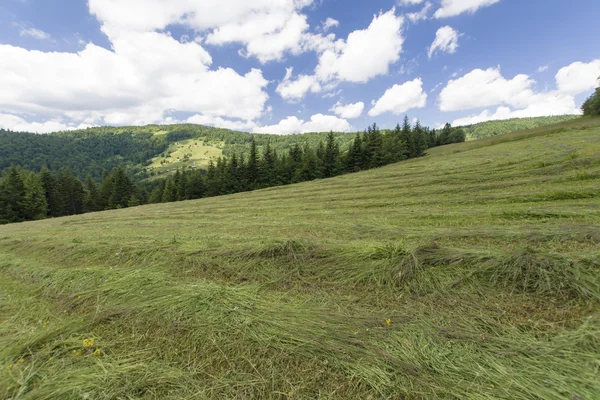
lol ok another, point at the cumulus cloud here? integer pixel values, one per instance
(451, 8)
(446, 40)
(516, 97)
(18, 124)
(578, 77)
(317, 123)
(146, 74)
(401, 98)
(348, 111)
(296, 89)
(366, 53)
(482, 88)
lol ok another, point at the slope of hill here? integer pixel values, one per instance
(494, 128)
(469, 273)
(145, 150)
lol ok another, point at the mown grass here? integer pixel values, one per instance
(472, 273)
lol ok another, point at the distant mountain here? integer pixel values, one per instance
(494, 128)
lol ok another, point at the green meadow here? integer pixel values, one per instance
(470, 273)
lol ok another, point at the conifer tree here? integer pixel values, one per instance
(330, 157)
(12, 196)
(35, 205)
(49, 184)
(157, 193)
(252, 173)
(91, 196)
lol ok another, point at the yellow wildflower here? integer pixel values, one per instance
(21, 361)
(78, 297)
(98, 352)
(64, 311)
(388, 322)
(76, 353)
(88, 342)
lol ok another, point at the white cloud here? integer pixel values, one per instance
(421, 15)
(543, 68)
(34, 33)
(578, 77)
(221, 122)
(366, 53)
(267, 37)
(294, 90)
(482, 88)
(409, 2)
(348, 111)
(18, 124)
(446, 40)
(330, 23)
(146, 75)
(516, 97)
(267, 28)
(317, 123)
(451, 8)
(401, 98)
(552, 103)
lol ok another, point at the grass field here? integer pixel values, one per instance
(471, 273)
(186, 153)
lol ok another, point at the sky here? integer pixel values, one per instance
(292, 66)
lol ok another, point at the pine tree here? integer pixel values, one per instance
(408, 138)
(310, 168)
(49, 184)
(252, 172)
(122, 189)
(195, 186)
(170, 191)
(267, 168)
(330, 157)
(91, 196)
(157, 193)
(182, 186)
(354, 156)
(106, 191)
(35, 205)
(12, 197)
(420, 140)
(375, 147)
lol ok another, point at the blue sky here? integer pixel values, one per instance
(291, 66)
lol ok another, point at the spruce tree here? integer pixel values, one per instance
(330, 157)
(35, 205)
(91, 196)
(13, 196)
(49, 184)
(252, 172)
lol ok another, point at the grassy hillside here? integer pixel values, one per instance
(494, 128)
(472, 273)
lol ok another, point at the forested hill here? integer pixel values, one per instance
(153, 150)
(94, 150)
(487, 129)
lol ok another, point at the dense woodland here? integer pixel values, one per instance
(29, 195)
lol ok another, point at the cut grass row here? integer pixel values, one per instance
(436, 278)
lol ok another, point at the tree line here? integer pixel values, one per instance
(27, 195)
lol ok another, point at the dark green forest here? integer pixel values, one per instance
(29, 195)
